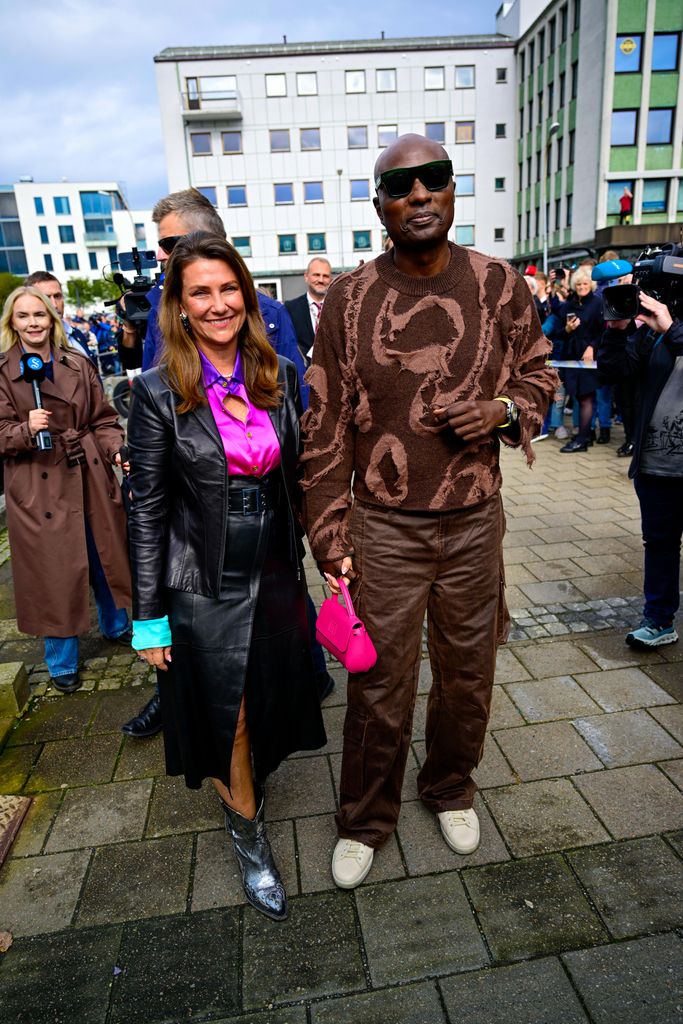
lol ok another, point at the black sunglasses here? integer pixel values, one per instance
(168, 243)
(399, 181)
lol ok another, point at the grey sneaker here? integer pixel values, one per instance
(561, 433)
(649, 634)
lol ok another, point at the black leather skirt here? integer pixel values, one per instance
(252, 641)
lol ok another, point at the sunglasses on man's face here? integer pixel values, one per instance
(399, 181)
(168, 243)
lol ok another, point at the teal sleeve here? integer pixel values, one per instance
(151, 633)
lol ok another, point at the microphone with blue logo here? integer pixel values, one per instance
(33, 372)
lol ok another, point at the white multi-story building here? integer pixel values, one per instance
(72, 229)
(283, 140)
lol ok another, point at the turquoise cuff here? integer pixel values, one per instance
(151, 633)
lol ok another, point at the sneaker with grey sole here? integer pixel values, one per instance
(649, 634)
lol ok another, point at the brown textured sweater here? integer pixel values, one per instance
(391, 347)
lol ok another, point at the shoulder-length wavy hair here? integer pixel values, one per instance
(583, 274)
(180, 356)
(9, 337)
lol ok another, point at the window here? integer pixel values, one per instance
(527, 220)
(232, 142)
(38, 203)
(464, 234)
(680, 196)
(575, 79)
(92, 256)
(276, 85)
(551, 97)
(209, 192)
(539, 107)
(520, 172)
(306, 83)
(572, 141)
(313, 191)
(521, 66)
(200, 143)
(519, 225)
(627, 54)
(577, 14)
(287, 245)
(210, 90)
(464, 184)
(385, 80)
(541, 47)
(284, 193)
(563, 24)
(624, 127)
(532, 54)
(615, 190)
(570, 205)
(436, 131)
(237, 195)
(316, 241)
(360, 188)
(530, 115)
(62, 205)
(309, 138)
(435, 78)
(243, 244)
(563, 80)
(538, 166)
(499, 184)
(464, 76)
(665, 51)
(70, 261)
(279, 140)
(43, 234)
(66, 233)
(464, 131)
(355, 81)
(362, 241)
(357, 136)
(528, 171)
(655, 195)
(501, 75)
(48, 262)
(551, 36)
(537, 220)
(557, 214)
(499, 234)
(501, 131)
(659, 126)
(386, 134)
(558, 166)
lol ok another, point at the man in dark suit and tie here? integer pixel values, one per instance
(305, 309)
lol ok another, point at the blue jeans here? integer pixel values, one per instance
(61, 652)
(604, 403)
(661, 513)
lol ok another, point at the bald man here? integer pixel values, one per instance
(305, 310)
(425, 360)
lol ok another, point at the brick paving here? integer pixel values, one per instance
(123, 896)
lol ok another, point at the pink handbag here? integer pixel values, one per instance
(343, 634)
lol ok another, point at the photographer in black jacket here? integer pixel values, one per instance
(650, 350)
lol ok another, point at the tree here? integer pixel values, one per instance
(8, 282)
(79, 291)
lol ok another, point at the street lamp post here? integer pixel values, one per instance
(552, 130)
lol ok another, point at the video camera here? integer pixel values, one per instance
(134, 293)
(659, 272)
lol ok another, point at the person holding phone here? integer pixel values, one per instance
(582, 331)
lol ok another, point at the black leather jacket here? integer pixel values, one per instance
(178, 519)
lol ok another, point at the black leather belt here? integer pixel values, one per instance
(254, 498)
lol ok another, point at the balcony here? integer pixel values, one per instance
(100, 238)
(212, 106)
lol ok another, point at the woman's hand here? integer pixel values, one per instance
(572, 323)
(333, 570)
(156, 657)
(587, 356)
(38, 419)
(655, 314)
(125, 466)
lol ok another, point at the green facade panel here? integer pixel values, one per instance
(632, 16)
(668, 16)
(567, 236)
(539, 136)
(575, 46)
(527, 199)
(627, 92)
(537, 194)
(562, 57)
(572, 115)
(520, 150)
(520, 96)
(539, 78)
(570, 180)
(623, 158)
(654, 218)
(558, 184)
(664, 89)
(659, 158)
(560, 121)
(551, 67)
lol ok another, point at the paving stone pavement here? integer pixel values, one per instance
(124, 898)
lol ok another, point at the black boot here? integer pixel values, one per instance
(260, 878)
(625, 450)
(604, 435)
(575, 446)
(147, 722)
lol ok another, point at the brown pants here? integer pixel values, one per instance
(449, 564)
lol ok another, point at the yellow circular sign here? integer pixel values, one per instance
(627, 46)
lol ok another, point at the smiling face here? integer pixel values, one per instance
(32, 322)
(422, 219)
(582, 287)
(213, 302)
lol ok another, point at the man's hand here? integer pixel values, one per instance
(38, 419)
(472, 420)
(156, 656)
(125, 466)
(655, 314)
(333, 570)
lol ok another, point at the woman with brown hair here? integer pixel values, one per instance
(218, 588)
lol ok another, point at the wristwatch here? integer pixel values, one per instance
(512, 411)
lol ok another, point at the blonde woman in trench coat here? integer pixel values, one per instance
(65, 515)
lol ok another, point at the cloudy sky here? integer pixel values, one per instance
(77, 76)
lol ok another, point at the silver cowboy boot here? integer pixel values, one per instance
(261, 879)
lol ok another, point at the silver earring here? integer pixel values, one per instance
(185, 321)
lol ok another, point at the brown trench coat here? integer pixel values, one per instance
(48, 501)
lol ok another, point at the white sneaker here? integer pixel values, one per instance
(561, 433)
(351, 862)
(460, 830)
